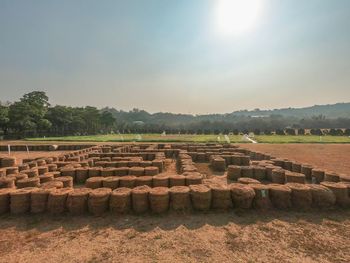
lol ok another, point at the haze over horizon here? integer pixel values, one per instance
(176, 56)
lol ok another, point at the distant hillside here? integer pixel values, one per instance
(319, 116)
(339, 110)
(330, 111)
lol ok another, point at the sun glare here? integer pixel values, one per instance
(235, 17)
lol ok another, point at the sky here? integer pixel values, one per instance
(172, 56)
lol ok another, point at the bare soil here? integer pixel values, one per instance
(235, 236)
(248, 236)
(334, 157)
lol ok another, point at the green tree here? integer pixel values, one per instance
(37, 99)
(27, 116)
(4, 118)
(107, 120)
(21, 122)
(91, 116)
(61, 118)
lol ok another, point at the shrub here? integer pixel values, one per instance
(301, 131)
(290, 131)
(336, 132)
(316, 132)
(280, 132)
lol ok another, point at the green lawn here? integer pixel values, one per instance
(197, 138)
(144, 138)
(301, 139)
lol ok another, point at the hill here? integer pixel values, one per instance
(330, 111)
(338, 110)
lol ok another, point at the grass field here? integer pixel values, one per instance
(197, 138)
(301, 139)
(145, 138)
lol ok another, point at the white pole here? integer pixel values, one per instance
(27, 150)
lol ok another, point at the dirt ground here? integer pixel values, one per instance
(248, 236)
(235, 236)
(334, 157)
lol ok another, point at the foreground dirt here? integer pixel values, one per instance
(334, 157)
(216, 237)
(235, 236)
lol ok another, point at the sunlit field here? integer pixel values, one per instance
(197, 138)
(146, 138)
(301, 139)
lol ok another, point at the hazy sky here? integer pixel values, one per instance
(162, 55)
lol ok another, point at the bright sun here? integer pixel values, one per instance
(234, 17)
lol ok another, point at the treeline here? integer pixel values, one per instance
(33, 116)
(144, 122)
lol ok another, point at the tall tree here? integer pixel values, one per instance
(4, 118)
(61, 118)
(107, 120)
(27, 116)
